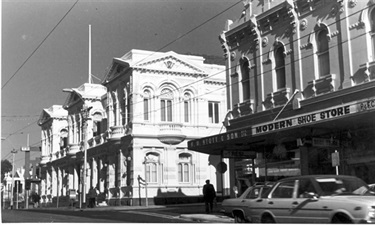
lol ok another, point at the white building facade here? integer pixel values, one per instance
(134, 130)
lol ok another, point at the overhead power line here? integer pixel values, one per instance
(15, 73)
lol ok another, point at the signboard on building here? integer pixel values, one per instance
(325, 142)
(318, 116)
(335, 159)
(239, 154)
(72, 194)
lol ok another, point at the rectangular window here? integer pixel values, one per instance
(186, 111)
(146, 109)
(324, 64)
(169, 110)
(166, 110)
(213, 112)
(115, 114)
(183, 172)
(162, 110)
(151, 173)
(180, 178)
(186, 172)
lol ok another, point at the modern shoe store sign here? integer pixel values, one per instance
(317, 116)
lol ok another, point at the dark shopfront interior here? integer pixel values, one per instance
(313, 155)
(302, 151)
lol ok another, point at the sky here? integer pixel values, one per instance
(45, 48)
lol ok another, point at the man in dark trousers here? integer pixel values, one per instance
(209, 194)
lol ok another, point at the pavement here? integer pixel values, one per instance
(215, 217)
(207, 218)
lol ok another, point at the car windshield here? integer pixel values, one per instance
(342, 186)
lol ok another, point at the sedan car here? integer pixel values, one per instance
(236, 207)
(315, 199)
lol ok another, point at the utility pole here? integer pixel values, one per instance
(85, 112)
(11, 202)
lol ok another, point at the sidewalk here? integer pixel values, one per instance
(211, 218)
(216, 217)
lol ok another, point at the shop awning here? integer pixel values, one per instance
(251, 138)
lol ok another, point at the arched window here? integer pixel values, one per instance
(166, 105)
(372, 21)
(187, 107)
(97, 125)
(63, 138)
(323, 52)
(152, 167)
(184, 168)
(146, 105)
(280, 67)
(245, 72)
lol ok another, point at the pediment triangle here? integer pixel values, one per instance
(72, 98)
(44, 116)
(171, 63)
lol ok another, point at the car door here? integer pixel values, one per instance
(307, 207)
(250, 196)
(280, 202)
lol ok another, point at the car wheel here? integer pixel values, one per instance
(238, 218)
(267, 219)
(340, 218)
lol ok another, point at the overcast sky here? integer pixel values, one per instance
(62, 60)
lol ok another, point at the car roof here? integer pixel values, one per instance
(317, 176)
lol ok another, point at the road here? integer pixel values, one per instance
(156, 214)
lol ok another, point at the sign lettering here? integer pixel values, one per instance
(310, 118)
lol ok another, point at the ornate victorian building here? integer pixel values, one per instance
(128, 137)
(301, 94)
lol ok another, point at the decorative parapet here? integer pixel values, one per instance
(367, 73)
(45, 159)
(277, 98)
(73, 149)
(244, 108)
(99, 139)
(322, 85)
(116, 132)
(91, 142)
(171, 133)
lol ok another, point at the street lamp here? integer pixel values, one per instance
(11, 202)
(85, 112)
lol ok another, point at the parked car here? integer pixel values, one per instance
(236, 207)
(315, 199)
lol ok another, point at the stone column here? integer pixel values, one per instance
(49, 184)
(94, 175)
(102, 175)
(43, 189)
(63, 184)
(54, 181)
(76, 173)
(121, 167)
(111, 174)
(58, 182)
(70, 178)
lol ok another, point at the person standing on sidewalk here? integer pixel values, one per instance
(92, 197)
(209, 194)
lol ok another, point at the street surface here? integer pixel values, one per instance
(188, 213)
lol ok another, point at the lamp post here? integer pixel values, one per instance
(85, 112)
(11, 202)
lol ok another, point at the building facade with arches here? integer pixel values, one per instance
(127, 137)
(301, 91)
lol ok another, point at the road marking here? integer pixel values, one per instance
(157, 215)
